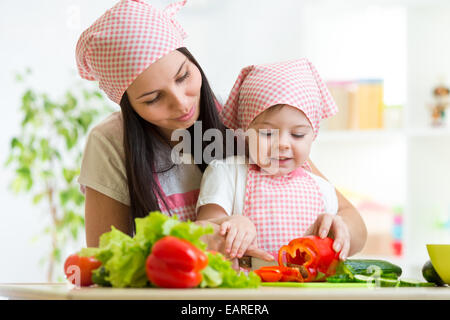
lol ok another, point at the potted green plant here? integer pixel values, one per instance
(46, 158)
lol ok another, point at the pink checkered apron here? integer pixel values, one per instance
(282, 208)
(182, 205)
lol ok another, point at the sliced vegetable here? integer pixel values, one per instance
(269, 273)
(78, 269)
(377, 281)
(415, 283)
(175, 263)
(312, 256)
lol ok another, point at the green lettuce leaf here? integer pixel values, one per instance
(123, 257)
(220, 274)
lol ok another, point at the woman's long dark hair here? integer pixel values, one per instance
(139, 138)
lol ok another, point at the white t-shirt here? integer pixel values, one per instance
(224, 182)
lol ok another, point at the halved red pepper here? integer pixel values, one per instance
(269, 273)
(175, 263)
(307, 259)
(313, 256)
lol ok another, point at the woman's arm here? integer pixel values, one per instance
(102, 212)
(349, 216)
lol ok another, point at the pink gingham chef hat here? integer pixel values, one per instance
(259, 87)
(125, 41)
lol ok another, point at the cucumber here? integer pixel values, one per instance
(377, 281)
(369, 267)
(415, 283)
(430, 274)
(340, 278)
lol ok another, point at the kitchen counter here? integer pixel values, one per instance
(63, 291)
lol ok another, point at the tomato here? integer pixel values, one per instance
(78, 269)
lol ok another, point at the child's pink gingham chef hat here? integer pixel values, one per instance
(125, 41)
(295, 83)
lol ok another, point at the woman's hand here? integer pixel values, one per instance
(334, 227)
(240, 235)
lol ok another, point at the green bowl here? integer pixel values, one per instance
(440, 258)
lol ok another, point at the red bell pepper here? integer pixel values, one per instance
(269, 273)
(313, 256)
(307, 259)
(175, 263)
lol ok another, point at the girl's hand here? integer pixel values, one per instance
(240, 235)
(216, 242)
(334, 227)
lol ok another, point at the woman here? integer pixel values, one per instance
(136, 53)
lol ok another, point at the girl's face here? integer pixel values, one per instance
(167, 94)
(281, 139)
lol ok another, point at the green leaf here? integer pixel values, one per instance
(38, 197)
(85, 120)
(74, 231)
(47, 174)
(71, 102)
(23, 179)
(10, 159)
(69, 174)
(19, 184)
(98, 94)
(15, 143)
(49, 106)
(57, 254)
(225, 276)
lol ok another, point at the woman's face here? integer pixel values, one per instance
(281, 140)
(167, 94)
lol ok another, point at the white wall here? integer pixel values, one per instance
(428, 58)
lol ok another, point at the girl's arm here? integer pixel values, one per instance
(240, 232)
(347, 227)
(102, 212)
(235, 236)
(212, 213)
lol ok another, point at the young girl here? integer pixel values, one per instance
(272, 193)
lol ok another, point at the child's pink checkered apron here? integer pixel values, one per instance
(282, 208)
